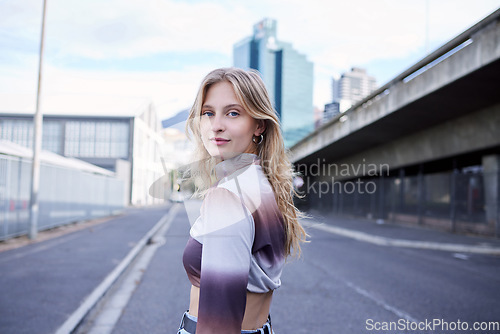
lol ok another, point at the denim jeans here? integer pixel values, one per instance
(262, 330)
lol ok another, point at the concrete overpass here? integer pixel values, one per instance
(429, 140)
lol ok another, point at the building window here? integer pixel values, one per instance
(72, 143)
(119, 140)
(87, 139)
(99, 139)
(52, 136)
(103, 139)
(17, 131)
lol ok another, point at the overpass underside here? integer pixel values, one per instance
(425, 149)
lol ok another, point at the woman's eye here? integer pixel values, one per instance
(233, 113)
(207, 113)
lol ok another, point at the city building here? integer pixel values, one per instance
(177, 150)
(318, 117)
(331, 110)
(127, 142)
(287, 74)
(349, 89)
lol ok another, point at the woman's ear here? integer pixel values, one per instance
(261, 127)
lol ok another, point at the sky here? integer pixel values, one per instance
(114, 56)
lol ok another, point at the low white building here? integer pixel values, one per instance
(123, 136)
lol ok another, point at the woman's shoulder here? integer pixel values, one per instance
(247, 180)
(250, 185)
(220, 210)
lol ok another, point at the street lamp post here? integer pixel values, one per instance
(37, 143)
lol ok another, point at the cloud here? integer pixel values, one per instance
(129, 28)
(111, 92)
(327, 31)
(21, 19)
(335, 35)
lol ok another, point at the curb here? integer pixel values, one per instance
(111, 307)
(91, 300)
(383, 241)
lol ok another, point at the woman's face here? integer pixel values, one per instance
(226, 128)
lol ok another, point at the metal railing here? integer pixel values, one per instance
(454, 200)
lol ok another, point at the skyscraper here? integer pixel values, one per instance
(287, 74)
(352, 87)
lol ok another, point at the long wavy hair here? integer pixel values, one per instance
(254, 98)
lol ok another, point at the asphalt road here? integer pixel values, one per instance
(339, 285)
(43, 283)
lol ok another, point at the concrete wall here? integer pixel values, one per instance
(444, 107)
(476, 131)
(484, 49)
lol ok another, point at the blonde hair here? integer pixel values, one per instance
(252, 94)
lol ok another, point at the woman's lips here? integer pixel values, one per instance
(220, 141)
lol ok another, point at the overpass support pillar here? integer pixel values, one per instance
(491, 172)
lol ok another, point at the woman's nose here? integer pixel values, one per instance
(217, 124)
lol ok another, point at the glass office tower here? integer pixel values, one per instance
(288, 76)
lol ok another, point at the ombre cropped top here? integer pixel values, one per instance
(236, 244)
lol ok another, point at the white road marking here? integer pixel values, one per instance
(401, 314)
(461, 256)
(382, 241)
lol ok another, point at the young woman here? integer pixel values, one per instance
(248, 223)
